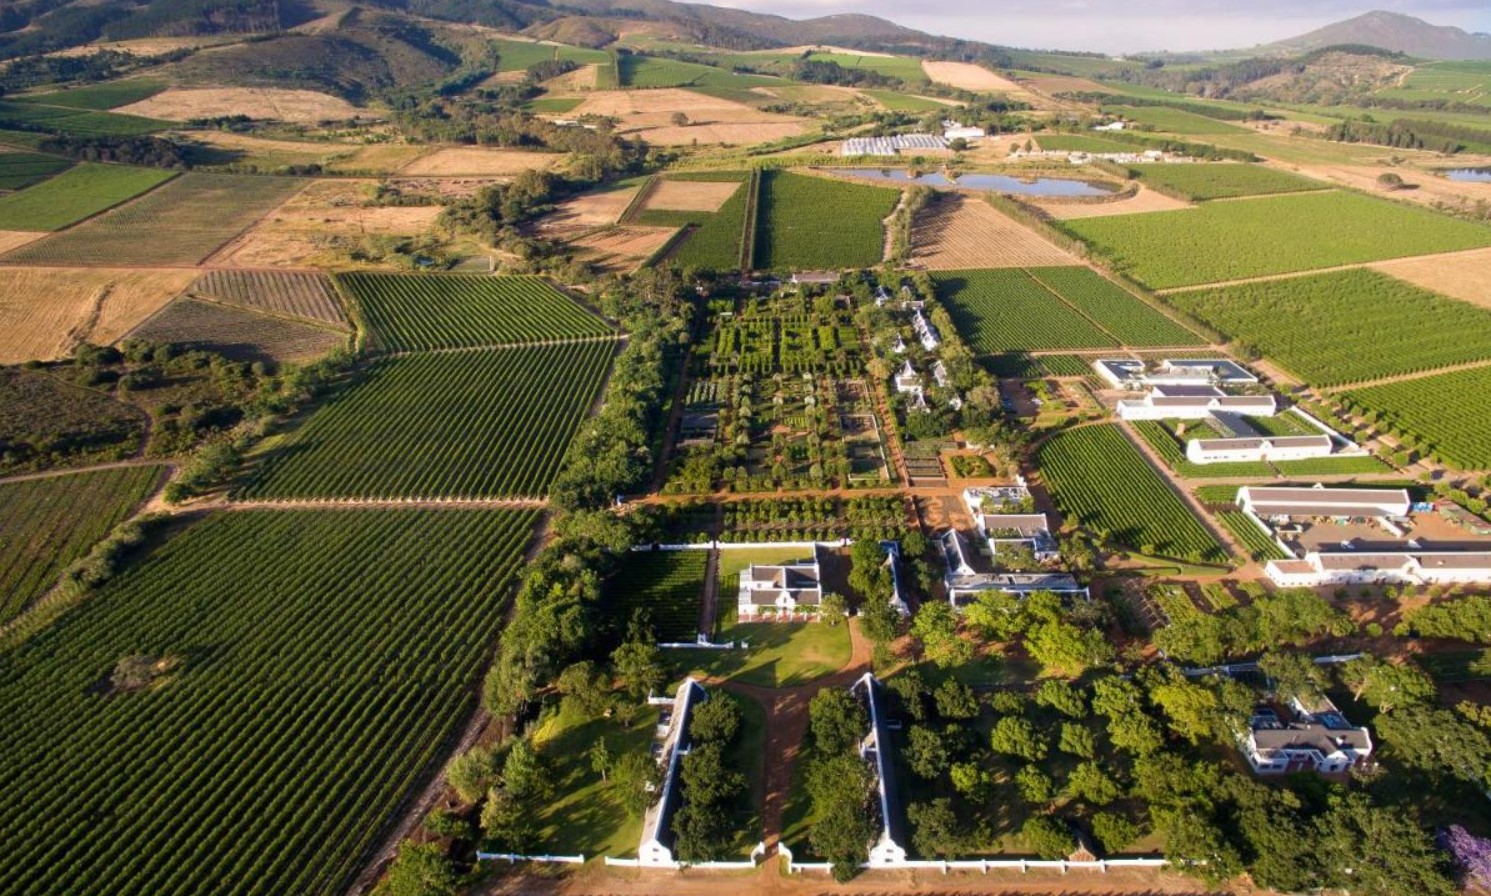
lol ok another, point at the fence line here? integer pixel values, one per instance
(743, 545)
(985, 865)
(515, 857)
(745, 865)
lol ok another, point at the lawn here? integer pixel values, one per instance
(1273, 235)
(75, 194)
(1221, 180)
(1345, 326)
(586, 817)
(813, 223)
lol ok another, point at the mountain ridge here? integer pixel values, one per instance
(1392, 31)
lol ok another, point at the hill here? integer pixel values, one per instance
(1390, 31)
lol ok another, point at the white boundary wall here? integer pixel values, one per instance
(514, 857)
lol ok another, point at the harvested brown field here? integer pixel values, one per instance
(376, 158)
(304, 294)
(278, 104)
(960, 232)
(237, 334)
(1423, 188)
(689, 196)
(586, 77)
(323, 223)
(441, 188)
(621, 249)
(1052, 84)
(46, 312)
(967, 76)
(591, 209)
(474, 161)
(1146, 200)
(15, 239)
(1460, 275)
(648, 114)
(269, 155)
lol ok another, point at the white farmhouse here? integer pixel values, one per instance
(1270, 448)
(656, 848)
(908, 381)
(1156, 406)
(1316, 739)
(931, 340)
(888, 849)
(785, 587)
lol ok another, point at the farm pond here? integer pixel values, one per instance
(997, 183)
(1472, 175)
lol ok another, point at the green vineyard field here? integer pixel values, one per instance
(1007, 310)
(1345, 326)
(1222, 180)
(669, 585)
(45, 524)
(1113, 308)
(415, 312)
(19, 170)
(482, 424)
(1273, 235)
(308, 669)
(1100, 481)
(813, 223)
(1448, 415)
(75, 194)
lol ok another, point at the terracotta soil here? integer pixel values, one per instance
(622, 248)
(301, 106)
(960, 232)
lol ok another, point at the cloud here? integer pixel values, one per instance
(1135, 26)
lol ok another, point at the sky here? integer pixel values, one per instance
(1116, 26)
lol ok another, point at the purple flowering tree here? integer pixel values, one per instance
(1472, 854)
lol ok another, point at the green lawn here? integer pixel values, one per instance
(586, 816)
(100, 97)
(76, 194)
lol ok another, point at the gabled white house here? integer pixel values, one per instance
(656, 848)
(1268, 448)
(965, 580)
(1319, 501)
(931, 340)
(908, 381)
(1316, 739)
(945, 381)
(1159, 407)
(893, 561)
(1408, 567)
(1027, 531)
(782, 587)
(888, 849)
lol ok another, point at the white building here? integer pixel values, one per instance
(908, 381)
(784, 587)
(1135, 375)
(965, 581)
(656, 848)
(1407, 567)
(1019, 531)
(893, 561)
(996, 498)
(891, 146)
(1110, 126)
(1195, 407)
(1316, 739)
(1270, 448)
(952, 130)
(945, 381)
(931, 340)
(1268, 502)
(888, 849)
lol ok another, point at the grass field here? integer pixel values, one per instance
(46, 524)
(1114, 308)
(1081, 143)
(1345, 326)
(904, 102)
(811, 223)
(75, 122)
(1008, 310)
(653, 72)
(669, 585)
(101, 97)
(310, 667)
(238, 334)
(1100, 481)
(47, 423)
(553, 105)
(19, 170)
(187, 220)
(587, 817)
(518, 55)
(414, 312)
(1273, 235)
(1449, 414)
(75, 194)
(482, 424)
(907, 68)
(1173, 121)
(1455, 82)
(1222, 180)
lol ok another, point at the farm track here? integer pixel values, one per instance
(1374, 265)
(68, 471)
(389, 504)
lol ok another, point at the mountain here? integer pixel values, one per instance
(1390, 31)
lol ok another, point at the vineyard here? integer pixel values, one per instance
(186, 221)
(75, 122)
(109, 95)
(238, 334)
(259, 695)
(75, 194)
(45, 524)
(289, 293)
(1221, 180)
(715, 242)
(1007, 310)
(651, 72)
(1100, 481)
(1448, 415)
(414, 312)
(812, 223)
(1274, 235)
(1260, 547)
(467, 424)
(1345, 326)
(19, 170)
(1113, 308)
(1173, 121)
(668, 585)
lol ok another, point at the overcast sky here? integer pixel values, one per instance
(1114, 26)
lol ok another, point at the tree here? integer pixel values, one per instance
(1114, 832)
(879, 621)
(1294, 674)
(926, 752)
(955, 700)
(837, 720)
(420, 869)
(680, 120)
(1065, 647)
(634, 776)
(972, 781)
(600, 758)
(840, 788)
(1437, 741)
(1035, 786)
(1198, 709)
(869, 577)
(936, 626)
(507, 822)
(1014, 736)
(1387, 685)
(1048, 837)
(935, 828)
(1195, 844)
(833, 608)
(583, 684)
(639, 665)
(715, 721)
(472, 772)
(997, 615)
(1076, 740)
(1062, 697)
(1089, 783)
(1373, 851)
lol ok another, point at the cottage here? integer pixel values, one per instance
(893, 561)
(908, 381)
(1316, 739)
(931, 340)
(952, 130)
(1274, 448)
(888, 849)
(783, 587)
(656, 848)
